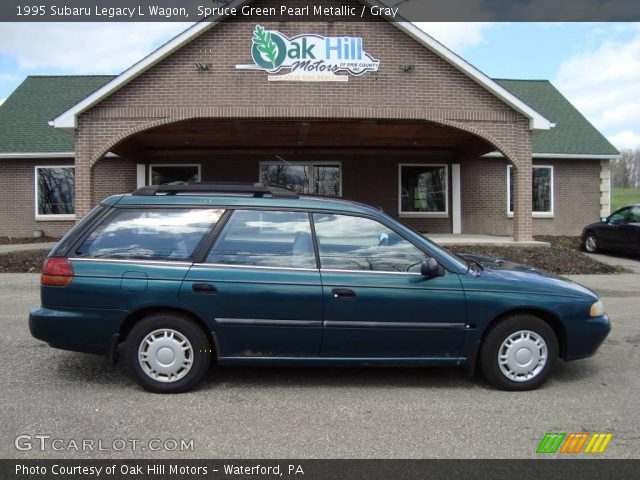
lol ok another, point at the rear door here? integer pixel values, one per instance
(376, 303)
(260, 286)
(134, 258)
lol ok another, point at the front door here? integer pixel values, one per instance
(630, 231)
(376, 303)
(260, 287)
(611, 235)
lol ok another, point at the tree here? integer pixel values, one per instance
(625, 172)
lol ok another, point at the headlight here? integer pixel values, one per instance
(597, 309)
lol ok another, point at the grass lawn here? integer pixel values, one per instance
(624, 196)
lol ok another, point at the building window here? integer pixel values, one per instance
(542, 191)
(55, 192)
(316, 178)
(163, 174)
(424, 190)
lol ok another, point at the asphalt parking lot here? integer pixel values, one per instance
(312, 413)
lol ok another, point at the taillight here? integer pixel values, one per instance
(56, 272)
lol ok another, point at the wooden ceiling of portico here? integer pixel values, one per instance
(200, 136)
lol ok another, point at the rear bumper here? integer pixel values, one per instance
(78, 329)
(584, 339)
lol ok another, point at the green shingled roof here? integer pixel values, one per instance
(25, 114)
(573, 134)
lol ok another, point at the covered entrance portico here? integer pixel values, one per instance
(413, 169)
(409, 140)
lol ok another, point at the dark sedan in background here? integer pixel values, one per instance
(620, 231)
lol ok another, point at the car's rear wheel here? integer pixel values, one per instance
(590, 243)
(167, 353)
(519, 353)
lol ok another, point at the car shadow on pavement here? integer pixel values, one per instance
(360, 377)
(86, 369)
(574, 371)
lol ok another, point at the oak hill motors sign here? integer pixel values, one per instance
(308, 57)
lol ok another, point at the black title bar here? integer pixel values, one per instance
(317, 10)
(584, 469)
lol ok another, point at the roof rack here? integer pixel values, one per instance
(195, 188)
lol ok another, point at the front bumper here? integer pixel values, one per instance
(78, 329)
(585, 337)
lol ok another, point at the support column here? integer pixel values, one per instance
(82, 181)
(456, 199)
(522, 208)
(605, 188)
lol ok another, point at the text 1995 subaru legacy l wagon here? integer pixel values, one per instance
(251, 274)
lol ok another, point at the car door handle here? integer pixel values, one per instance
(204, 288)
(343, 293)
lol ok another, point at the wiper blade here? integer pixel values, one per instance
(471, 261)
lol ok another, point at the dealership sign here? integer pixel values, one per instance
(308, 57)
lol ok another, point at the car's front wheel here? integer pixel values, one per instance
(167, 353)
(590, 243)
(519, 353)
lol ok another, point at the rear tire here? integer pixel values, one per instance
(590, 243)
(519, 353)
(167, 353)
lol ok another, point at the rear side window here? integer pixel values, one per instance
(267, 239)
(151, 234)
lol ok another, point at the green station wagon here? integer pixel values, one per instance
(174, 277)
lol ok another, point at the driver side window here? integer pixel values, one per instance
(356, 243)
(618, 217)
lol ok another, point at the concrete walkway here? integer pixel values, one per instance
(21, 247)
(628, 262)
(469, 239)
(615, 285)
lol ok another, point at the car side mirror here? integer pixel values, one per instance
(430, 268)
(604, 219)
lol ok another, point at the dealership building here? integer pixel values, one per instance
(375, 111)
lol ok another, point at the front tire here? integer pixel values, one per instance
(590, 243)
(519, 353)
(167, 353)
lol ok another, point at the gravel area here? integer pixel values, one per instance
(28, 261)
(22, 241)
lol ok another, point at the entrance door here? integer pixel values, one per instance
(376, 303)
(260, 286)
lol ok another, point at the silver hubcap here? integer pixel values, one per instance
(522, 356)
(165, 355)
(590, 243)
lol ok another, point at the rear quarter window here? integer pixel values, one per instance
(150, 234)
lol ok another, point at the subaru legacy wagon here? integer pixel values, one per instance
(175, 277)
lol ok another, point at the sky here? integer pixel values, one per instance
(595, 65)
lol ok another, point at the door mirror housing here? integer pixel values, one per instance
(604, 219)
(430, 268)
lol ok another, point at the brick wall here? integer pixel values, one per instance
(372, 180)
(112, 176)
(576, 197)
(17, 199)
(484, 197)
